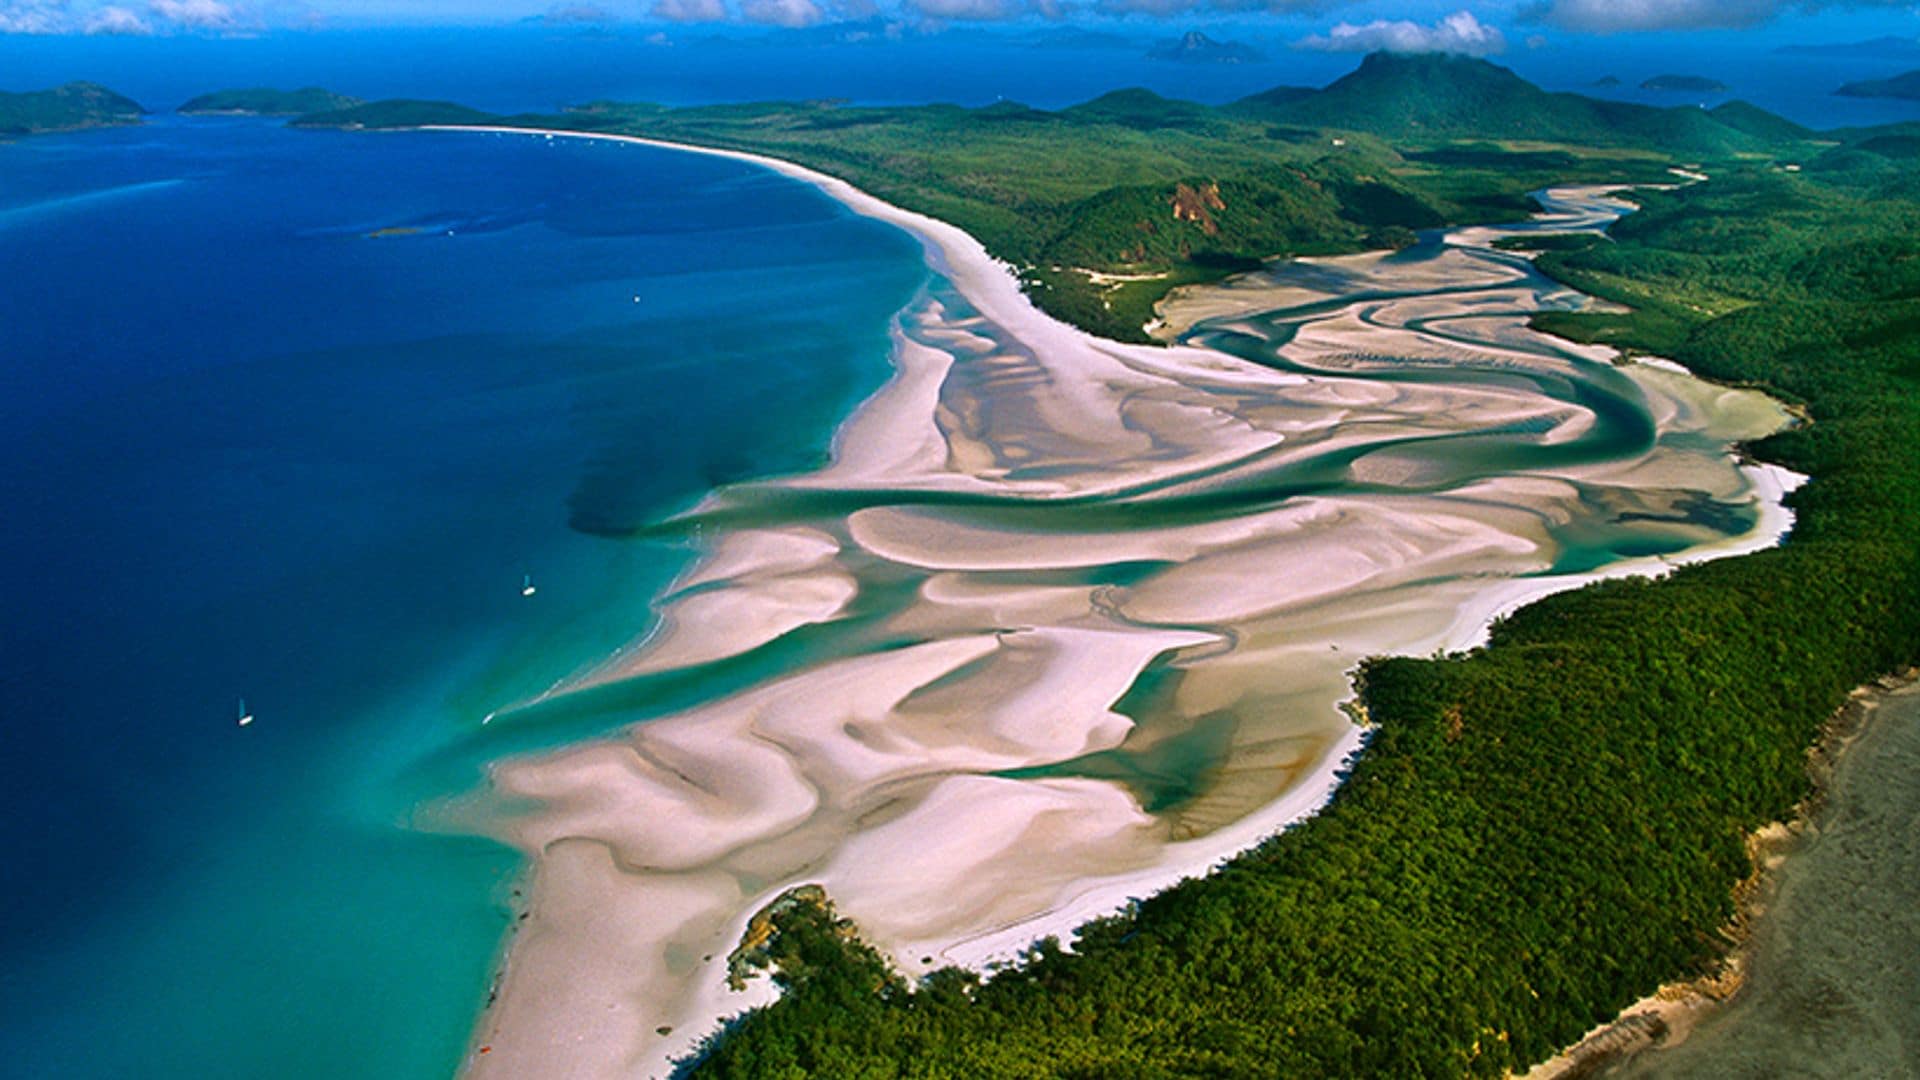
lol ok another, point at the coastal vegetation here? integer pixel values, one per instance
(72, 107)
(1541, 830)
(1105, 206)
(394, 113)
(267, 101)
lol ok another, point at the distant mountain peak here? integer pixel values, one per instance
(1194, 47)
(1431, 95)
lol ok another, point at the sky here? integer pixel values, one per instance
(1475, 27)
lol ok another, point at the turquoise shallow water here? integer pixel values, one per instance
(248, 449)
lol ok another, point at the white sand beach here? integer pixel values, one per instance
(1025, 522)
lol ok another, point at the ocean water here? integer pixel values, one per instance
(287, 415)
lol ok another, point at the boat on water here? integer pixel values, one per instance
(526, 585)
(243, 717)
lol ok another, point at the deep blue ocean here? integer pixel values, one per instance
(249, 449)
(287, 415)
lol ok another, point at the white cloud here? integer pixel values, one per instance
(789, 13)
(115, 20)
(1607, 16)
(1164, 8)
(577, 15)
(33, 17)
(690, 10)
(967, 10)
(1146, 7)
(200, 14)
(1612, 16)
(1459, 32)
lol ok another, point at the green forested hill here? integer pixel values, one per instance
(1905, 85)
(1439, 96)
(1761, 124)
(1542, 830)
(394, 113)
(66, 108)
(267, 101)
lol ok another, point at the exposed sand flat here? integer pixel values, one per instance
(1031, 547)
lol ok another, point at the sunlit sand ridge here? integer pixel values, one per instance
(1070, 620)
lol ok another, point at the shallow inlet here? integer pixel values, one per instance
(1065, 621)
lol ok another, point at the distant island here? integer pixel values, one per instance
(1905, 87)
(1607, 80)
(1880, 48)
(1195, 47)
(1685, 84)
(398, 112)
(267, 101)
(73, 107)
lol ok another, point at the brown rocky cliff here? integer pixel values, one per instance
(1196, 205)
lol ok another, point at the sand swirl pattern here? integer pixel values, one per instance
(1066, 620)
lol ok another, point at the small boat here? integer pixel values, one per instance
(526, 585)
(244, 717)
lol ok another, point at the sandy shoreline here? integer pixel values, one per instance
(1005, 649)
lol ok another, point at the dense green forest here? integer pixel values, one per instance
(1541, 830)
(70, 107)
(267, 101)
(395, 113)
(1169, 192)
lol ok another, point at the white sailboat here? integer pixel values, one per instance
(244, 716)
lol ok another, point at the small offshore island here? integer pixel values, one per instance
(77, 106)
(1541, 829)
(1331, 381)
(1905, 86)
(267, 101)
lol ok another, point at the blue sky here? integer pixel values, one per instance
(1484, 27)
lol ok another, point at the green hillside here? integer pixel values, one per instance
(1437, 97)
(267, 101)
(395, 113)
(1759, 123)
(1141, 109)
(71, 107)
(1905, 86)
